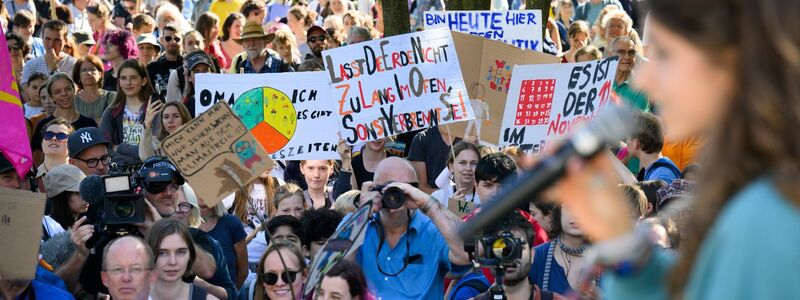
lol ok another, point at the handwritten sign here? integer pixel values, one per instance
(393, 85)
(21, 231)
(547, 102)
(216, 154)
(487, 78)
(290, 114)
(520, 28)
(460, 207)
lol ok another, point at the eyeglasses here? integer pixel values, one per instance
(184, 207)
(621, 53)
(271, 278)
(314, 39)
(170, 38)
(92, 162)
(133, 270)
(60, 136)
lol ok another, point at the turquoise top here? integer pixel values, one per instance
(751, 252)
(632, 97)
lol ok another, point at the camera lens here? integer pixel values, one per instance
(393, 198)
(503, 248)
(124, 209)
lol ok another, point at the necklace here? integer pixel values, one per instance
(571, 251)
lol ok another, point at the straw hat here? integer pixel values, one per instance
(253, 30)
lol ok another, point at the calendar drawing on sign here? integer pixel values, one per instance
(535, 102)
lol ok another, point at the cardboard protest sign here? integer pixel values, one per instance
(216, 154)
(547, 102)
(290, 114)
(393, 85)
(487, 75)
(21, 232)
(520, 28)
(460, 207)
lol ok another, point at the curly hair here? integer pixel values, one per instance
(318, 224)
(124, 42)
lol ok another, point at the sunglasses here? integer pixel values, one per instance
(170, 38)
(271, 278)
(14, 47)
(60, 136)
(320, 38)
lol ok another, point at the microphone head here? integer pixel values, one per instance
(92, 190)
(611, 125)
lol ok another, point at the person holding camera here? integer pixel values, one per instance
(516, 284)
(405, 253)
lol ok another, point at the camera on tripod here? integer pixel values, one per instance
(500, 250)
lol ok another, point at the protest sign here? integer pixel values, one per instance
(216, 154)
(547, 102)
(290, 114)
(487, 75)
(393, 85)
(21, 232)
(460, 207)
(520, 28)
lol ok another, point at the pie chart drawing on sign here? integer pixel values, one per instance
(269, 114)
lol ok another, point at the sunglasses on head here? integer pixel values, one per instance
(320, 38)
(60, 136)
(170, 38)
(271, 278)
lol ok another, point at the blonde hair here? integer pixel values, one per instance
(345, 203)
(241, 203)
(191, 198)
(589, 50)
(286, 38)
(618, 15)
(284, 192)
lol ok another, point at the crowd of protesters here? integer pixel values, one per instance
(103, 83)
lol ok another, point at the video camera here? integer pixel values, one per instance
(119, 199)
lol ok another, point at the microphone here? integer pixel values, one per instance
(92, 190)
(612, 125)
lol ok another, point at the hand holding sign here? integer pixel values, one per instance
(216, 154)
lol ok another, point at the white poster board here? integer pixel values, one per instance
(520, 28)
(547, 102)
(393, 85)
(290, 114)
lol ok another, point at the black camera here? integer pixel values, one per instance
(122, 205)
(500, 250)
(392, 197)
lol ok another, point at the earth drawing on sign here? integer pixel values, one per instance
(269, 114)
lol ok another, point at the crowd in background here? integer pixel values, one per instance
(103, 83)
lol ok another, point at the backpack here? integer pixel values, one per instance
(656, 165)
(474, 283)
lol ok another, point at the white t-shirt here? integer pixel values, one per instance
(443, 195)
(31, 111)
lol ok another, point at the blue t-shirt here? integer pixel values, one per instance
(229, 231)
(462, 291)
(558, 278)
(662, 169)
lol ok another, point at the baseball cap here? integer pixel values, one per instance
(83, 38)
(84, 138)
(64, 178)
(198, 57)
(316, 28)
(157, 172)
